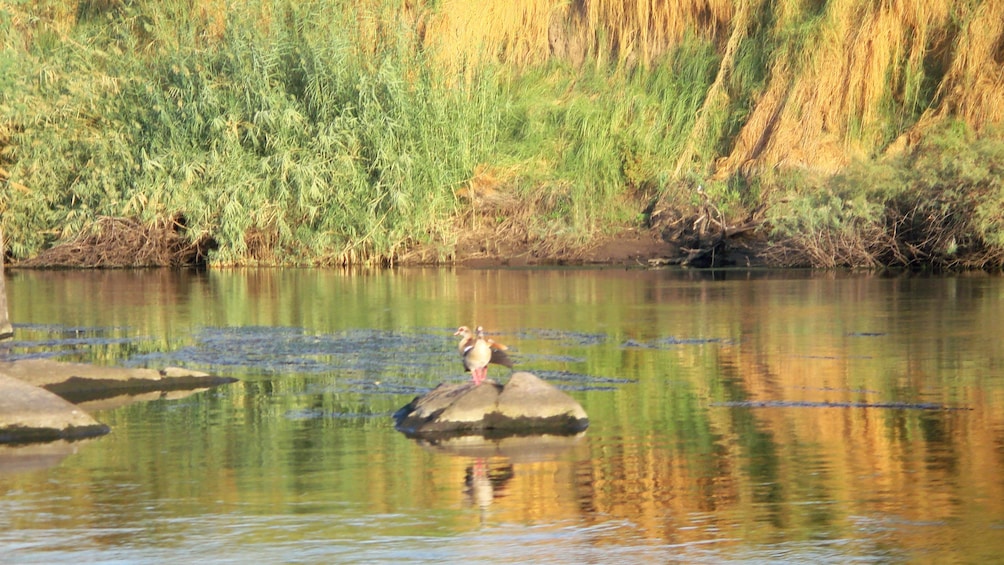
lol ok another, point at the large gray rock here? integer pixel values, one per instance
(31, 414)
(525, 405)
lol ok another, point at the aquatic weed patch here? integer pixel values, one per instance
(672, 341)
(274, 351)
(809, 404)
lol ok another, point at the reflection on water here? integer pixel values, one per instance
(734, 416)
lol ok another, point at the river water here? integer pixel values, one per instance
(735, 417)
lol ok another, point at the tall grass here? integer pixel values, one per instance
(332, 133)
(295, 133)
(284, 142)
(604, 142)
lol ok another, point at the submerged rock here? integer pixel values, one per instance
(79, 382)
(525, 405)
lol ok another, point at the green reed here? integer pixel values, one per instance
(298, 140)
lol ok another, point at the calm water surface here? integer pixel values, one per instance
(735, 417)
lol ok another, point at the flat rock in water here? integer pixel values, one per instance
(525, 405)
(31, 414)
(80, 382)
(36, 395)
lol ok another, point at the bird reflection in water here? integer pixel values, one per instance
(484, 482)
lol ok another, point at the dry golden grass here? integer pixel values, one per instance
(212, 18)
(823, 106)
(717, 98)
(973, 90)
(464, 35)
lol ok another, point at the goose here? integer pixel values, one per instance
(477, 352)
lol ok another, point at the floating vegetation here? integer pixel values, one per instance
(671, 341)
(356, 361)
(809, 404)
(378, 354)
(572, 338)
(569, 380)
(319, 413)
(46, 341)
(536, 358)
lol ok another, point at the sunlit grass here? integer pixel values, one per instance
(312, 133)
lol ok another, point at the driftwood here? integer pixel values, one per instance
(706, 239)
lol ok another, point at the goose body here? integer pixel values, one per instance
(477, 352)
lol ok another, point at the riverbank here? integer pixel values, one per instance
(645, 247)
(383, 133)
(631, 247)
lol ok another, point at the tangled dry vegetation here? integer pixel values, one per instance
(125, 242)
(494, 221)
(906, 235)
(940, 206)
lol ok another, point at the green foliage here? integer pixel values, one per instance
(318, 133)
(282, 134)
(297, 140)
(940, 205)
(604, 136)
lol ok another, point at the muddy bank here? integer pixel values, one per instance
(688, 241)
(629, 248)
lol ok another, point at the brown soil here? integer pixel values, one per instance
(631, 247)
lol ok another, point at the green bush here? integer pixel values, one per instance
(940, 206)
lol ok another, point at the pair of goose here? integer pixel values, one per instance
(477, 352)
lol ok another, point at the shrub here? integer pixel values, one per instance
(940, 206)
